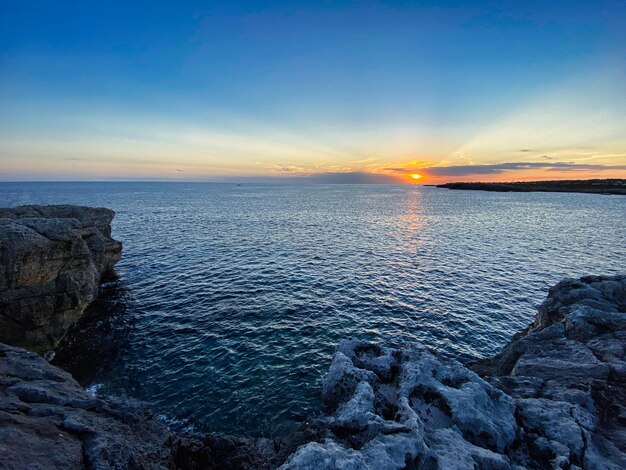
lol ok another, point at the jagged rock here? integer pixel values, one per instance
(554, 398)
(576, 347)
(412, 409)
(52, 259)
(215, 451)
(47, 421)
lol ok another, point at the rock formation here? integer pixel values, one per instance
(554, 398)
(48, 422)
(52, 259)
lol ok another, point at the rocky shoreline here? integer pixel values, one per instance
(555, 397)
(598, 186)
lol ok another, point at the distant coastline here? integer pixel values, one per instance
(595, 186)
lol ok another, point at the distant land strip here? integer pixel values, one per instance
(596, 186)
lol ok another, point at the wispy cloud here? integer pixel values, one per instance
(343, 177)
(408, 167)
(353, 177)
(286, 169)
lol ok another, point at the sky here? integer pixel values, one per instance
(312, 91)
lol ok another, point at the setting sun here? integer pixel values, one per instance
(415, 176)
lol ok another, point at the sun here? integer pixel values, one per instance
(415, 176)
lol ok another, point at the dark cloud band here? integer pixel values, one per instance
(466, 170)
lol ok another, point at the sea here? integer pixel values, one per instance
(232, 298)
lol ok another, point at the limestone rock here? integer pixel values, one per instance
(413, 409)
(52, 259)
(554, 398)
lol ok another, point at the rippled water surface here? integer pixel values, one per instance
(231, 298)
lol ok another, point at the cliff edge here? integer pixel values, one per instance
(52, 259)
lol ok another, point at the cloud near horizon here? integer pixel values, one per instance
(499, 168)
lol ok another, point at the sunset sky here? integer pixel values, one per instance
(312, 91)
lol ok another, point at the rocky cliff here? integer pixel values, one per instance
(554, 398)
(52, 259)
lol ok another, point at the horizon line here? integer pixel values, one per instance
(291, 182)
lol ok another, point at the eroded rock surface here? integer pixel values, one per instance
(554, 398)
(52, 259)
(47, 421)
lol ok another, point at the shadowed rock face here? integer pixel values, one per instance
(47, 421)
(554, 398)
(52, 259)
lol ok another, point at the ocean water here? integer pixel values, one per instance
(231, 299)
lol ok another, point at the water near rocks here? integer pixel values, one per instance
(232, 299)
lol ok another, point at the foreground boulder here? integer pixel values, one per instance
(47, 421)
(52, 259)
(554, 398)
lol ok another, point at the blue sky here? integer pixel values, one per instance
(267, 90)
